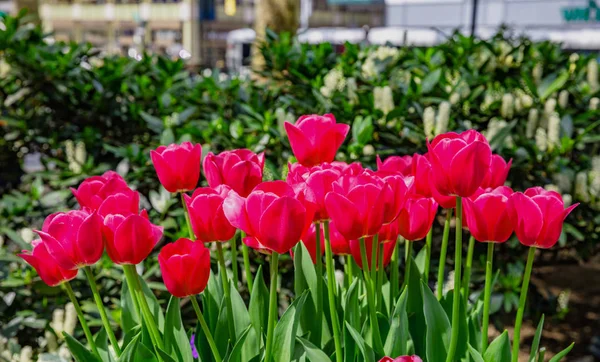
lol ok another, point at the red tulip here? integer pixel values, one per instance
(498, 172)
(130, 239)
(46, 267)
(94, 190)
(395, 195)
(416, 217)
(421, 171)
(446, 202)
(388, 233)
(488, 215)
(459, 162)
(315, 139)
(402, 359)
(356, 205)
(271, 216)
(239, 169)
(538, 216)
(73, 238)
(339, 245)
(206, 214)
(185, 267)
(178, 166)
(395, 165)
(314, 183)
(388, 250)
(120, 203)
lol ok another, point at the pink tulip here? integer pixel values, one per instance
(185, 267)
(388, 250)
(94, 190)
(388, 233)
(400, 187)
(73, 238)
(538, 216)
(339, 245)
(402, 359)
(178, 166)
(46, 267)
(421, 171)
(395, 165)
(315, 139)
(314, 184)
(208, 220)
(488, 215)
(239, 169)
(416, 218)
(459, 162)
(271, 216)
(498, 172)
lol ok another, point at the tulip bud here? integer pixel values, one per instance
(208, 220)
(239, 169)
(185, 267)
(488, 215)
(416, 218)
(92, 192)
(394, 165)
(178, 166)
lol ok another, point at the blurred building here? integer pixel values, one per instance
(190, 29)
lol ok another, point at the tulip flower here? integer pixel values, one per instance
(185, 267)
(498, 172)
(488, 215)
(47, 268)
(395, 165)
(271, 216)
(315, 139)
(178, 166)
(94, 190)
(395, 195)
(421, 171)
(416, 218)
(73, 238)
(339, 245)
(388, 233)
(388, 249)
(206, 214)
(402, 359)
(459, 162)
(241, 169)
(314, 184)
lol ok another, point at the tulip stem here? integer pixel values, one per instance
(319, 291)
(380, 272)
(408, 245)
(234, 261)
(428, 241)
(522, 300)
(84, 325)
(394, 273)
(226, 290)
(272, 307)
(204, 326)
(339, 357)
(443, 254)
(130, 278)
(349, 270)
(468, 266)
(378, 346)
(246, 256)
(374, 253)
(187, 216)
(487, 297)
(457, 269)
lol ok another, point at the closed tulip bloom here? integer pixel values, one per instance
(46, 267)
(416, 218)
(395, 165)
(538, 216)
(314, 183)
(488, 215)
(178, 166)
(388, 250)
(73, 238)
(459, 162)
(185, 267)
(498, 172)
(421, 171)
(239, 169)
(402, 359)
(339, 244)
(315, 139)
(208, 220)
(94, 190)
(400, 187)
(271, 216)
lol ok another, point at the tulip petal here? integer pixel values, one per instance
(89, 239)
(234, 208)
(527, 218)
(57, 251)
(469, 168)
(345, 215)
(282, 224)
(301, 145)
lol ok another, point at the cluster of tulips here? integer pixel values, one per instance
(351, 215)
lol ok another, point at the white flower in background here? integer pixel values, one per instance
(454, 98)
(495, 126)
(449, 285)
(123, 167)
(27, 235)
(574, 57)
(564, 180)
(26, 354)
(368, 150)
(567, 199)
(549, 107)
(70, 319)
(443, 118)
(594, 103)
(596, 163)
(207, 72)
(526, 100)
(468, 125)
(532, 121)
(507, 109)
(538, 72)
(76, 155)
(64, 353)
(429, 121)
(594, 189)
(383, 99)
(58, 320)
(592, 73)
(581, 187)
(351, 88)
(518, 105)
(378, 60)
(563, 99)
(333, 80)
(160, 200)
(541, 140)
(508, 61)
(552, 187)
(51, 343)
(553, 131)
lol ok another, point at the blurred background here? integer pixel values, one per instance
(88, 86)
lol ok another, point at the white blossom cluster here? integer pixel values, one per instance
(76, 155)
(378, 60)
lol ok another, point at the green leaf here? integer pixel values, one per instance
(430, 81)
(420, 259)
(536, 340)
(362, 130)
(397, 338)
(305, 278)
(154, 305)
(476, 355)
(438, 326)
(101, 341)
(313, 353)
(175, 337)
(241, 323)
(367, 352)
(552, 84)
(559, 356)
(143, 354)
(154, 123)
(414, 309)
(221, 335)
(259, 304)
(129, 352)
(498, 350)
(165, 356)
(284, 336)
(211, 300)
(78, 350)
(236, 352)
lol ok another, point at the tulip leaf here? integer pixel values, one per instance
(78, 350)
(559, 356)
(313, 353)
(463, 327)
(241, 322)
(536, 340)
(475, 354)
(236, 353)
(211, 300)
(474, 324)
(175, 337)
(154, 305)
(414, 309)
(367, 352)
(165, 356)
(437, 326)
(101, 341)
(284, 336)
(129, 318)
(259, 304)
(305, 278)
(221, 334)
(499, 349)
(551, 84)
(352, 316)
(129, 351)
(420, 259)
(397, 338)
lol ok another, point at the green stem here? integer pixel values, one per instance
(374, 252)
(380, 272)
(84, 325)
(319, 291)
(272, 307)
(204, 326)
(468, 266)
(457, 269)
(522, 300)
(100, 305)
(331, 294)
(234, 261)
(130, 277)
(226, 290)
(246, 255)
(487, 297)
(394, 273)
(187, 217)
(408, 245)
(442, 264)
(428, 254)
(370, 298)
(349, 270)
